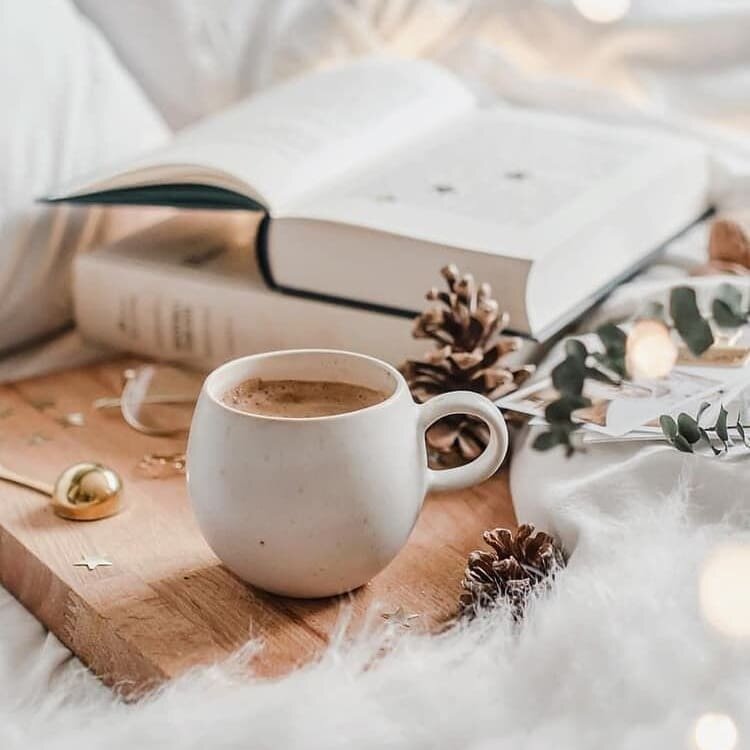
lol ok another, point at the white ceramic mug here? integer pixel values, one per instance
(317, 506)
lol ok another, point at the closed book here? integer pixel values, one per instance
(188, 290)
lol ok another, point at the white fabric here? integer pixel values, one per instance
(684, 62)
(194, 57)
(683, 66)
(68, 107)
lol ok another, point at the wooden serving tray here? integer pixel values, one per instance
(166, 604)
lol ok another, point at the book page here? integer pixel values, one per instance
(502, 181)
(293, 138)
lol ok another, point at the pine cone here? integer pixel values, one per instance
(517, 564)
(466, 325)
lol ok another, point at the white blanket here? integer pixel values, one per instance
(618, 655)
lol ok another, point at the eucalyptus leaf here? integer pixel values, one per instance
(681, 444)
(702, 410)
(577, 349)
(741, 432)
(668, 426)
(706, 437)
(545, 441)
(721, 425)
(727, 307)
(559, 412)
(568, 376)
(615, 363)
(613, 338)
(690, 324)
(725, 316)
(688, 428)
(730, 294)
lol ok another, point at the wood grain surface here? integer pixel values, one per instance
(166, 603)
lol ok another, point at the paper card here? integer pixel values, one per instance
(732, 398)
(716, 356)
(619, 409)
(641, 403)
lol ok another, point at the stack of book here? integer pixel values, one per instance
(366, 179)
(188, 290)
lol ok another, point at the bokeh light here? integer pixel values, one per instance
(724, 590)
(715, 732)
(602, 11)
(649, 350)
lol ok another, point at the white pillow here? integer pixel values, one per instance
(194, 57)
(68, 108)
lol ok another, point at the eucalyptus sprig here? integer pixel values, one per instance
(609, 365)
(686, 432)
(612, 358)
(727, 311)
(569, 377)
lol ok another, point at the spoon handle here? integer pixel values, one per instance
(33, 484)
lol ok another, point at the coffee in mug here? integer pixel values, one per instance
(303, 399)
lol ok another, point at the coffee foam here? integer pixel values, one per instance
(300, 398)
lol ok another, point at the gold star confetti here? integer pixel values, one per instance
(161, 465)
(73, 419)
(92, 562)
(37, 439)
(398, 617)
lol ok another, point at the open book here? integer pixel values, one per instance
(376, 174)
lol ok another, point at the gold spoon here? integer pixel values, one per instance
(83, 492)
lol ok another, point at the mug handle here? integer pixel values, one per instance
(486, 464)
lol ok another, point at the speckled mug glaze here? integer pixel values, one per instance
(318, 506)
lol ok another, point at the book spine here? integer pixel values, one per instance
(158, 311)
(261, 251)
